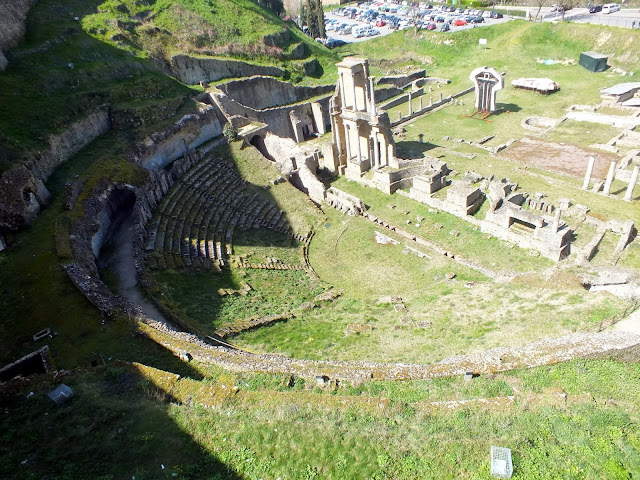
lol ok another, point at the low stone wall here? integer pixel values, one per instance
(384, 94)
(12, 25)
(193, 70)
(401, 80)
(345, 202)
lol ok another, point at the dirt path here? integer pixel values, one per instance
(556, 157)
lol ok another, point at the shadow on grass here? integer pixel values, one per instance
(506, 108)
(119, 424)
(409, 149)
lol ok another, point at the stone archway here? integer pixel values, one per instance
(258, 142)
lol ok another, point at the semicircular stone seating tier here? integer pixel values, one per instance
(194, 224)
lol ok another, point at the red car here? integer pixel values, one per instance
(459, 22)
(380, 23)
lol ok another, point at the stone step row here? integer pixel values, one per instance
(271, 266)
(194, 224)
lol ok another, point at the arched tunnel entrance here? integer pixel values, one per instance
(258, 142)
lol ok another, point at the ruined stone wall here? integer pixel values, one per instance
(297, 165)
(260, 93)
(191, 131)
(401, 80)
(192, 70)
(277, 119)
(13, 16)
(22, 190)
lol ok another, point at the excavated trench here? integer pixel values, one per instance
(116, 261)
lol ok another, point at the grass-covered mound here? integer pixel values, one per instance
(575, 420)
(79, 55)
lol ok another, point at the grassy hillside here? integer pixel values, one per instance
(572, 421)
(114, 54)
(511, 42)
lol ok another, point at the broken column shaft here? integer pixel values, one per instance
(587, 177)
(628, 196)
(610, 176)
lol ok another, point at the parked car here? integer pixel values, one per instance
(595, 9)
(334, 42)
(439, 19)
(431, 26)
(610, 8)
(444, 27)
(477, 20)
(459, 22)
(380, 23)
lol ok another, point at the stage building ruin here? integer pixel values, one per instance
(362, 134)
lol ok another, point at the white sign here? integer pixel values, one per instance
(483, 41)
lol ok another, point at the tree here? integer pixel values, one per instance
(539, 4)
(274, 5)
(319, 13)
(313, 16)
(414, 14)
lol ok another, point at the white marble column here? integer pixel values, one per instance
(376, 153)
(632, 183)
(587, 177)
(610, 176)
(353, 90)
(342, 92)
(372, 94)
(347, 141)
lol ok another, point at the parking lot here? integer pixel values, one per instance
(356, 24)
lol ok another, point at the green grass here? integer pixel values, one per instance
(263, 430)
(582, 133)
(477, 309)
(195, 294)
(471, 243)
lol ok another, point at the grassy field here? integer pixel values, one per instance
(230, 426)
(434, 317)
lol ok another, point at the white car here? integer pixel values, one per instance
(610, 8)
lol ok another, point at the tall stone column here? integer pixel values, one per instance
(376, 152)
(359, 146)
(587, 177)
(421, 103)
(410, 105)
(632, 183)
(342, 91)
(353, 91)
(610, 176)
(372, 95)
(347, 142)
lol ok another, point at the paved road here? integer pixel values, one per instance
(624, 18)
